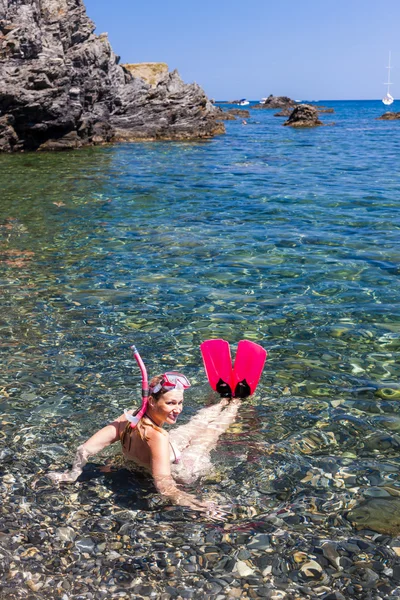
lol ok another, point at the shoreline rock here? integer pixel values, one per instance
(61, 86)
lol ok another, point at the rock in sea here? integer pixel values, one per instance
(61, 86)
(389, 116)
(303, 115)
(277, 102)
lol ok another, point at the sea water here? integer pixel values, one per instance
(287, 237)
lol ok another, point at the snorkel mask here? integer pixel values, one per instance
(170, 381)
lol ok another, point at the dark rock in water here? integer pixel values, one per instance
(389, 116)
(285, 112)
(238, 112)
(223, 115)
(61, 86)
(277, 102)
(303, 115)
(231, 114)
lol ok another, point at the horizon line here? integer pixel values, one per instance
(321, 100)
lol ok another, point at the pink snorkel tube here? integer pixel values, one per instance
(134, 420)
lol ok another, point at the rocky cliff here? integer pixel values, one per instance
(61, 85)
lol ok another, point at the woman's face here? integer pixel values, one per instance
(169, 406)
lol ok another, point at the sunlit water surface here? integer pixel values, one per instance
(286, 237)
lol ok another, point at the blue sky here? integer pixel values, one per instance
(306, 50)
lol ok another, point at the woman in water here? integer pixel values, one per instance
(181, 456)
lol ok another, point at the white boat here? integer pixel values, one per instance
(243, 102)
(388, 98)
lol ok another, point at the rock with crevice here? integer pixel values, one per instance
(61, 86)
(303, 115)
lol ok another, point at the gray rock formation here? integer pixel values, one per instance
(303, 115)
(61, 86)
(277, 102)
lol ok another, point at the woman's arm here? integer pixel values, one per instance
(100, 440)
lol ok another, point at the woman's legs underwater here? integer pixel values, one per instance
(199, 436)
(183, 435)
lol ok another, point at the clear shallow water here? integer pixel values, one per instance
(286, 237)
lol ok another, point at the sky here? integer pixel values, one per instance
(307, 49)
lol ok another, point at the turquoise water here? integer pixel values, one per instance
(286, 237)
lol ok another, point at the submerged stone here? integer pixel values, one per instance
(85, 544)
(388, 394)
(379, 514)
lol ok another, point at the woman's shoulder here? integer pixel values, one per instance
(157, 440)
(154, 432)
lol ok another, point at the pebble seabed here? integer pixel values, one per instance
(288, 238)
(292, 535)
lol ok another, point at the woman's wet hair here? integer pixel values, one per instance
(152, 383)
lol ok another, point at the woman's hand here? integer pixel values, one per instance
(80, 461)
(65, 477)
(208, 508)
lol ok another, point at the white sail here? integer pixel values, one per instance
(388, 98)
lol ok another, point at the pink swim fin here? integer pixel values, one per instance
(249, 363)
(218, 365)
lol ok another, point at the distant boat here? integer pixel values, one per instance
(388, 99)
(243, 102)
